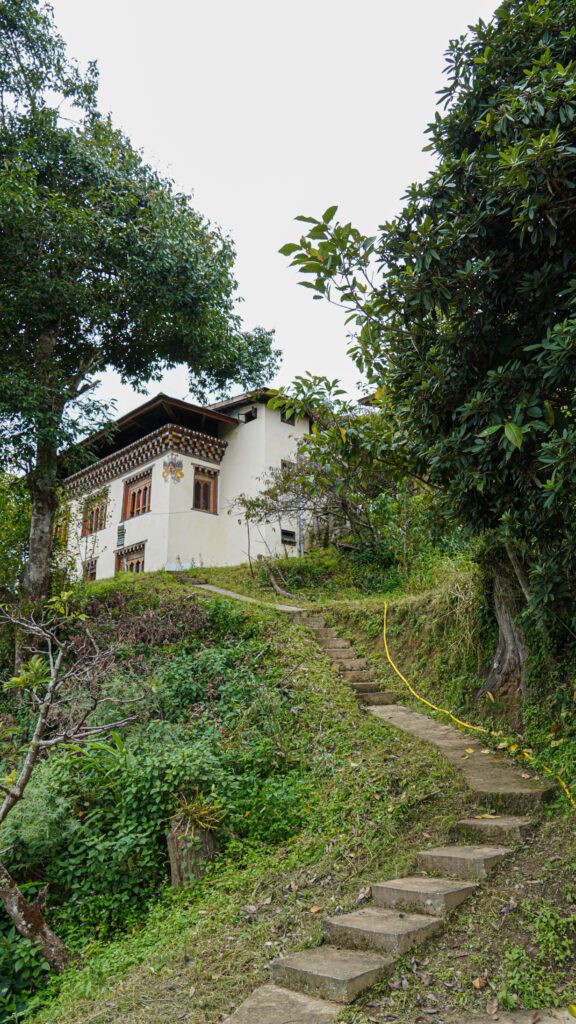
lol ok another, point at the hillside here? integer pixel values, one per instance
(246, 719)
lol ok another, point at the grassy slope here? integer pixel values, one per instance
(372, 796)
(377, 797)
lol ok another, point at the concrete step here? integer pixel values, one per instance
(335, 644)
(325, 633)
(314, 621)
(351, 664)
(428, 895)
(343, 658)
(378, 697)
(503, 827)
(336, 974)
(377, 928)
(370, 687)
(272, 1005)
(364, 675)
(494, 780)
(471, 862)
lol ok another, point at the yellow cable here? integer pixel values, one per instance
(465, 725)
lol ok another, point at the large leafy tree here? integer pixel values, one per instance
(464, 309)
(102, 264)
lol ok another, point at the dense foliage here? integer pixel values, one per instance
(211, 738)
(102, 264)
(464, 304)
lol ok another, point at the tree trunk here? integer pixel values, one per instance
(30, 922)
(506, 676)
(189, 851)
(41, 539)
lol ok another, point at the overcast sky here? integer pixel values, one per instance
(265, 109)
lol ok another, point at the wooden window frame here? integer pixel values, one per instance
(137, 500)
(134, 561)
(292, 542)
(90, 569)
(94, 517)
(290, 420)
(203, 480)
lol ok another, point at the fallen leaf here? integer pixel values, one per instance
(492, 1007)
(479, 983)
(490, 695)
(192, 990)
(535, 1016)
(469, 750)
(294, 886)
(464, 757)
(572, 1009)
(315, 909)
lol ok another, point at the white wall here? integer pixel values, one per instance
(176, 535)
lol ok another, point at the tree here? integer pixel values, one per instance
(464, 310)
(15, 506)
(102, 264)
(60, 701)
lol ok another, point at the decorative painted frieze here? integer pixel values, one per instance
(169, 438)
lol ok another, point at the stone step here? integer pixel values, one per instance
(336, 974)
(335, 644)
(471, 862)
(428, 895)
(379, 697)
(326, 633)
(495, 782)
(365, 675)
(351, 664)
(314, 621)
(506, 827)
(342, 655)
(369, 687)
(273, 1005)
(378, 928)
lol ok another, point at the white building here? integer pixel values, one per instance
(159, 495)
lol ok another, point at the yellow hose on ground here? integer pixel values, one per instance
(466, 725)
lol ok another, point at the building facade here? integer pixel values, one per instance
(161, 491)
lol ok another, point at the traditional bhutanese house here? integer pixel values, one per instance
(159, 493)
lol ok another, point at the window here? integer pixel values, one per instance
(137, 495)
(90, 568)
(250, 414)
(288, 537)
(131, 559)
(288, 419)
(205, 492)
(94, 516)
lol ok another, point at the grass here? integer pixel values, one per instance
(372, 795)
(375, 797)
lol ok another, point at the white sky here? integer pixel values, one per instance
(265, 109)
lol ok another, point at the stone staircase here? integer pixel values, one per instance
(360, 947)
(356, 671)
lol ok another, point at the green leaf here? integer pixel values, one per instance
(329, 214)
(289, 248)
(514, 434)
